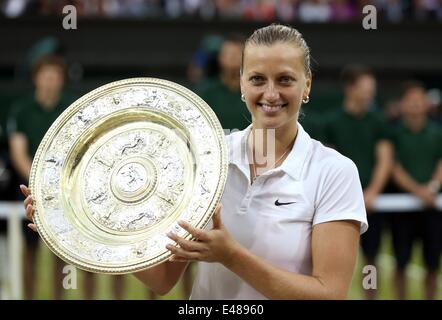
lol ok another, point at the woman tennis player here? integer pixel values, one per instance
(287, 227)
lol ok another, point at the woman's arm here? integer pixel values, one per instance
(334, 251)
(160, 279)
(163, 277)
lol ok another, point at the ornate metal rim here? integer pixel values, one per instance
(74, 108)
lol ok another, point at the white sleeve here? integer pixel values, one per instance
(340, 196)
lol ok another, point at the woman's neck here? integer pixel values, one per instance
(271, 146)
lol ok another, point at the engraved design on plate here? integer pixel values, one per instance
(134, 181)
(131, 177)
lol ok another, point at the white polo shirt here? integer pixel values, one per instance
(315, 184)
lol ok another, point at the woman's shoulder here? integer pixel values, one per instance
(328, 159)
(234, 136)
(234, 140)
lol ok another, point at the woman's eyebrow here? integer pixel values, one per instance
(254, 72)
(287, 72)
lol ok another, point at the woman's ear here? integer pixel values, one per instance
(241, 85)
(308, 85)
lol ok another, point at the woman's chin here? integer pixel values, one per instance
(269, 126)
(273, 123)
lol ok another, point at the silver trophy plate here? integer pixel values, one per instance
(120, 167)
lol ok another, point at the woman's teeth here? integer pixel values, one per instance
(271, 108)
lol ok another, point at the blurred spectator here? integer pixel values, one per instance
(435, 101)
(315, 11)
(286, 10)
(361, 135)
(43, 107)
(172, 8)
(392, 9)
(424, 9)
(418, 170)
(208, 10)
(439, 11)
(45, 46)
(257, 10)
(343, 10)
(392, 111)
(204, 62)
(14, 9)
(260, 10)
(122, 8)
(230, 9)
(191, 7)
(222, 93)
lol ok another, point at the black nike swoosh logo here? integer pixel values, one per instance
(277, 203)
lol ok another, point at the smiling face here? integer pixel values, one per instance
(274, 82)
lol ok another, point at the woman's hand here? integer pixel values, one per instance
(28, 202)
(215, 245)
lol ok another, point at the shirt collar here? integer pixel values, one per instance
(292, 165)
(297, 158)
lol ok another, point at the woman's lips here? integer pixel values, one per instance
(271, 108)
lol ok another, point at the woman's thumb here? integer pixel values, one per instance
(217, 223)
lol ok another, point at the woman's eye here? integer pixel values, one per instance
(286, 80)
(256, 79)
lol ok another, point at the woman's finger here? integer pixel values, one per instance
(175, 258)
(30, 212)
(28, 201)
(33, 227)
(186, 244)
(25, 190)
(189, 255)
(217, 223)
(196, 233)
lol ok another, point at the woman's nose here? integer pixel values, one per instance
(271, 92)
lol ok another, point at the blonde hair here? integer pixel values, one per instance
(275, 33)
